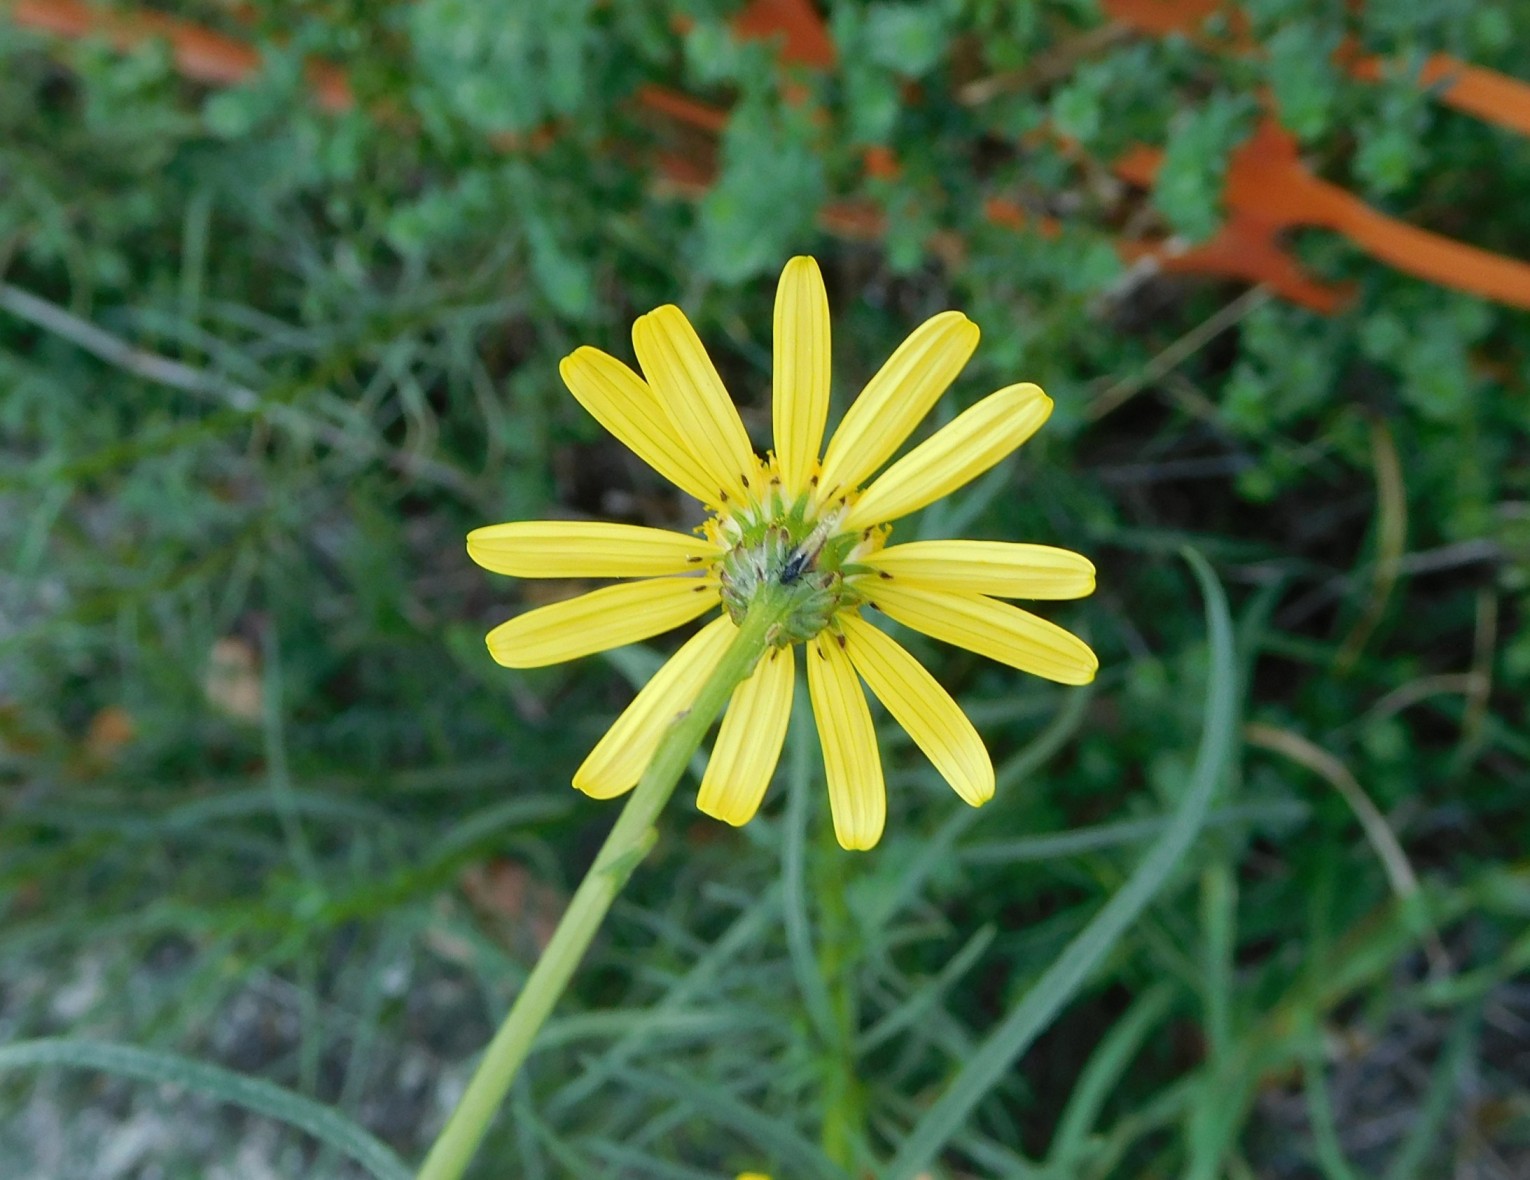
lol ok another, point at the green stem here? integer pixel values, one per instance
(843, 1133)
(629, 842)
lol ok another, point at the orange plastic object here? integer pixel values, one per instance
(1160, 17)
(998, 211)
(1249, 249)
(880, 163)
(199, 53)
(683, 108)
(857, 220)
(1246, 247)
(806, 40)
(1267, 183)
(1486, 94)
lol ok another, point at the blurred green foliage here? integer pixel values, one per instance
(258, 561)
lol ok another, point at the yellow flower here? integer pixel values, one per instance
(794, 520)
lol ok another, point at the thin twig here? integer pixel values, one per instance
(1121, 391)
(1394, 861)
(122, 355)
(1405, 696)
(1445, 557)
(1484, 645)
(163, 371)
(1049, 67)
(1391, 542)
(1424, 561)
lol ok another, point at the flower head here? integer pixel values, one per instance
(811, 528)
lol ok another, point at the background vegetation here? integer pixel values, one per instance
(268, 805)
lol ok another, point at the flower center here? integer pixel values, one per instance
(792, 552)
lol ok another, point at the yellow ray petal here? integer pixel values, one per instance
(586, 549)
(993, 629)
(857, 794)
(996, 568)
(694, 399)
(925, 709)
(620, 757)
(800, 402)
(896, 399)
(605, 618)
(619, 400)
(961, 451)
(749, 743)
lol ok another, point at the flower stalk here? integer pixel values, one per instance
(632, 837)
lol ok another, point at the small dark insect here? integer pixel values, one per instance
(804, 555)
(794, 566)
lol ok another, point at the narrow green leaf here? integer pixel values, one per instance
(700, 981)
(1450, 1075)
(1062, 980)
(1325, 1131)
(1219, 902)
(798, 1158)
(324, 1123)
(1100, 1076)
(794, 892)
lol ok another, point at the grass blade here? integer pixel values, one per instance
(1105, 1069)
(1062, 980)
(324, 1123)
